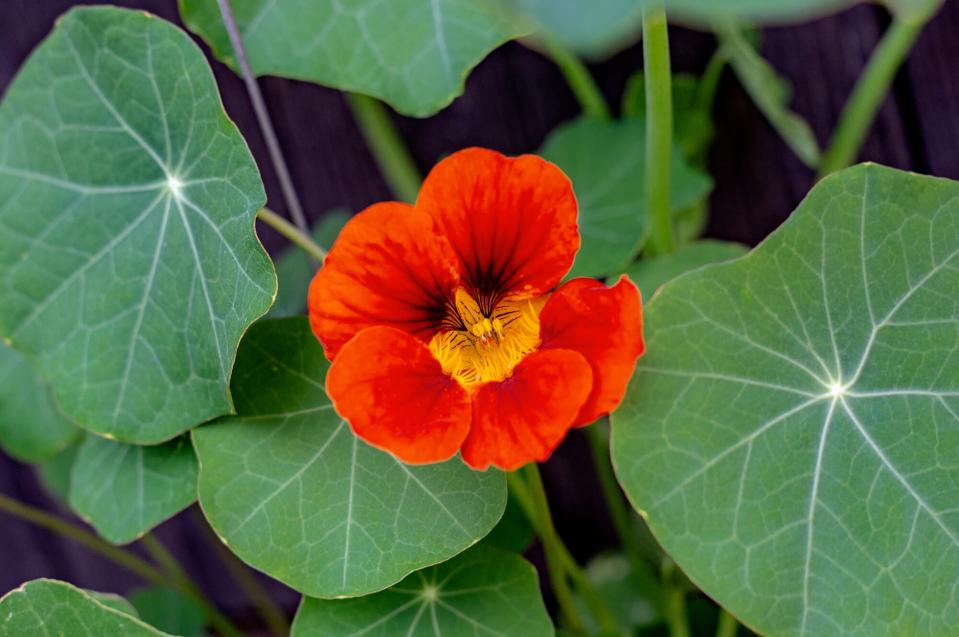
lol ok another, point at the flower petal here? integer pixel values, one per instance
(512, 221)
(523, 418)
(391, 390)
(603, 324)
(389, 266)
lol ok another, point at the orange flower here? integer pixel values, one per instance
(444, 329)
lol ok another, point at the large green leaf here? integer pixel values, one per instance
(48, 608)
(650, 274)
(129, 269)
(791, 433)
(31, 425)
(170, 610)
(779, 11)
(295, 494)
(294, 271)
(125, 490)
(596, 29)
(413, 54)
(482, 592)
(606, 162)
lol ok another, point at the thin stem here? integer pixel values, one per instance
(384, 140)
(292, 233)
(116, 555)
(659, 126)
(709, 80)
(271, 613)
(577, 77)
(674, 604)
(727, 626)
(263, 118)
(622, 520)
(871, 87)
(551, 543)
(181, 580)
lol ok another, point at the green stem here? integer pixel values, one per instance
(271, 613)
(116, 555)
(867, 96)
(599, 444)
(727, 626)
(577, 77)
(387, 146)
(709, 81)
(659, 126)
(594, 601)
(181, 580)
(674, 604)
(536, 496)
(292, 233)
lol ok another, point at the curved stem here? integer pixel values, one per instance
(727, 626)
(179, 578)
(578, 77)
(292, 233)
(263, 118)
(384, 140)
(867, 96)
(271, 613)
(659, 127)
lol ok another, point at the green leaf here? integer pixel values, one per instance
(114, 601)
(606, 160)
(128, 290)
(513, 533)
(484, 591)
(613, 579)
(775, 11)
(31, 425)
(48, 607)
(295, 494)
(790, 434)
(413, 54)
(125, 490)
(596, 29)
(293, 269)
(650, 274)
(169, 610)
(770, 93)
(54, 473)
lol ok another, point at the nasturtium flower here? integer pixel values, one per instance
(445, 326)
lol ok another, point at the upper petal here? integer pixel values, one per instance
(511, 221)
(603, 324)
(389, 266)
(523, 418)
(391, 390)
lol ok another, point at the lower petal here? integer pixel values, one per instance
(395, 396)
(603, 324)
(523, 418)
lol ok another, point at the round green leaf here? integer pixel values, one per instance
(650, 274)
(791, 433)
(295, 494)
(169, 610)
(125, 490)
(48, 607)
(31, 425)
(595, 29)
(484, 591)
(777, 11)
(129, 268)
(606, 162)
(412, 54)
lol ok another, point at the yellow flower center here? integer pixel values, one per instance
(478, 348)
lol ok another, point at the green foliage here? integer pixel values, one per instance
(49, 607)
(294, 271)
(605, 160)
(31, 425)
(295, 494)
(412, 54)
(788, 434)
(54, 473)
(169, 610)
(513, 532)
(614, 580)
(702, 11)
(125, 490)
(692, 121)
(650, 274)
(484, 591)
(128, 291)
(603, 29)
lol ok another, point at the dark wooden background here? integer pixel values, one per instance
(512, 101)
